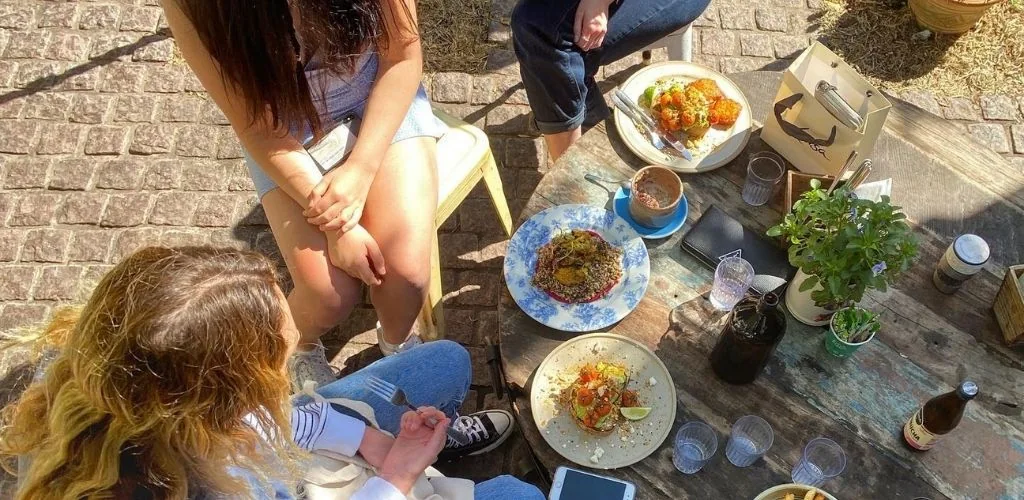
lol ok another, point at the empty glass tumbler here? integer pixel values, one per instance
(750, 439)
(823, 459)
(696, 443)
(764, 171)
(733, 278)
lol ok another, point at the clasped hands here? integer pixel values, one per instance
(335, 207)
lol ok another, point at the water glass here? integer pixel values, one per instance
(764, 171)
(696, 443)
(750, 439)
(733, 278)
(822, 459)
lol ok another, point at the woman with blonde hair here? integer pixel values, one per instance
(171, 383)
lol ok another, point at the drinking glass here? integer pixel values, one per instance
(696, 443)
(750, 439)
(764, 171)
(822, 459)
(733, 278)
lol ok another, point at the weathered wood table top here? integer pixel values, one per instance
(928, 342)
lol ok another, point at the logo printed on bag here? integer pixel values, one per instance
(800, 133)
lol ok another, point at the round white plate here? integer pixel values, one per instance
(561, 367)
(521, 261)
(730, 142)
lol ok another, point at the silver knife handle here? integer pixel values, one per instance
(621, 106)
(860, 174)
(622, 96)
(631, 113)
(828, 95)
(634, 111)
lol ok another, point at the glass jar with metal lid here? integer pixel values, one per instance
(964, 258)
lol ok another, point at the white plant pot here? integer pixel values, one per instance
(802, 306)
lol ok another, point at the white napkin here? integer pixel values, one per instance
(874, 191)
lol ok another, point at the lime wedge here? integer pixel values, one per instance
(635, 413)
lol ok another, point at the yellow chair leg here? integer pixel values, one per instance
(432, 315)
(492, 180)
(425, 323)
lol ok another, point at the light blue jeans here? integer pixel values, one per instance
(432, 374)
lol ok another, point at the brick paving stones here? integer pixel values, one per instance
(108, 143)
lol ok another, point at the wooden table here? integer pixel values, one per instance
(929, 341)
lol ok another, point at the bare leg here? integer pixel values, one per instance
(558, 143)
(399, 214)
(323, 295)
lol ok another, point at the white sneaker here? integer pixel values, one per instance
(310, 365)
(388, 349)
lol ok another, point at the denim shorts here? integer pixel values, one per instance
(559, 77)
(346, 97)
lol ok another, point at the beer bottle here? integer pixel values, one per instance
(938, 416)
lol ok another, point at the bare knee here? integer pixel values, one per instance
(413, 273)
(318, 307)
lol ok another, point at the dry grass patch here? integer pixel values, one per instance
(454, 34)
(880, 43)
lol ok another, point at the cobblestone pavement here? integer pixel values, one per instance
(108, 143)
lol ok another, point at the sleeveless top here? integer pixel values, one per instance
(334, 93)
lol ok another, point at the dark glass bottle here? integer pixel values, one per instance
(751, 333)
(938, 416)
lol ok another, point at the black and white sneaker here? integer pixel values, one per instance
(487, 430)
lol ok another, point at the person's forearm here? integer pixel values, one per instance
(284, 160)
(392, 94)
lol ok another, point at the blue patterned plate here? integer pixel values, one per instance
(521, 260)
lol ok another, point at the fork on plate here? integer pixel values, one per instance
(657, 136)
(396, 396)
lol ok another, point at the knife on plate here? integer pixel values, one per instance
(635, 111)
(639, 122)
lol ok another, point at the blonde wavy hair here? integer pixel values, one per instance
(155, 374)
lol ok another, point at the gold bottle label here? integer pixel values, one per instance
(916, 434)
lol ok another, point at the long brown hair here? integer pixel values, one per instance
(157, 371)
(256, 48)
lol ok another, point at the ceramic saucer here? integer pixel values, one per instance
(621, 208)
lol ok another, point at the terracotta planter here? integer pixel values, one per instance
(802, 306)
(661, 185)
(839, 347)
(950, 17)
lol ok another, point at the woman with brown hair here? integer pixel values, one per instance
(292, 75)
(170, 383)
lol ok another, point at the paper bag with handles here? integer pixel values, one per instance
(824, 111)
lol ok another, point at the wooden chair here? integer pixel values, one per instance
(679, 44)
(464, 158)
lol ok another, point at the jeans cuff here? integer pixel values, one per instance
(562, 126)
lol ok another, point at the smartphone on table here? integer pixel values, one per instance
(572, 484)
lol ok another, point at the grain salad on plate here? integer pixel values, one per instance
(577, 266)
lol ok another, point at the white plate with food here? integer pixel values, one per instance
(587, 393)
(794, 492)
(697, 105)
(577, 268)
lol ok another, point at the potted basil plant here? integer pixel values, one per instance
(850, 328)
(842, 246)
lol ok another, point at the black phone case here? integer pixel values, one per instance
(717, 234)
